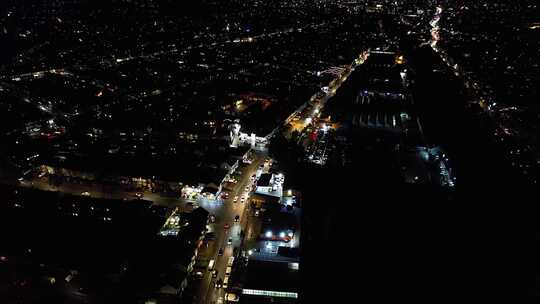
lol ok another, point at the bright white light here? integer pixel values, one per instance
(250, 252)
(308, 120)
(291, 234)
(269, 293)
(268, 234)
(282, 235)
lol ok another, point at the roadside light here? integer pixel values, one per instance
(291, 234)
(282, 235)
(250, 252)
(268, 234)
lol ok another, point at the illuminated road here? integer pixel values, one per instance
(225, 213)
(97, 192)
(302, 118)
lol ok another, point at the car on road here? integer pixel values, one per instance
(237, 218)
(85, 193)
(219, 283)
(139, 195)
(214, 273)
(212, 218)
(228, 270)
(211, 264)
(226, 226)
(243, 199)
(199, 275)
(220, 252)
(230, 241)
(248, 188)
(235, 199)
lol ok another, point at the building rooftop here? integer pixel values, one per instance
(271, 276)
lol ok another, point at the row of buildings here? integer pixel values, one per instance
(78, 249)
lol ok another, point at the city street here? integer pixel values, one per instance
(301, 119)
(225, 213)
(97, 192)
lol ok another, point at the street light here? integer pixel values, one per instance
(269, 234)
(282, 234)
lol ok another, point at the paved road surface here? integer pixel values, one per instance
(225, 213)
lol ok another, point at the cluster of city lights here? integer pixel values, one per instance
(282, 234)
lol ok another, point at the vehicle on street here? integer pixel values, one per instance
(243, 199)
(230, 262)
(214, 273)
(226, 282)
(228, 270)
(199, 275)
(237, 218)
(211, 236)
(220, 252)
(212, 218)
(211, 264)
(219, 283)
(235, 199)
(139, 195)
(229, 241)
(85, 193)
